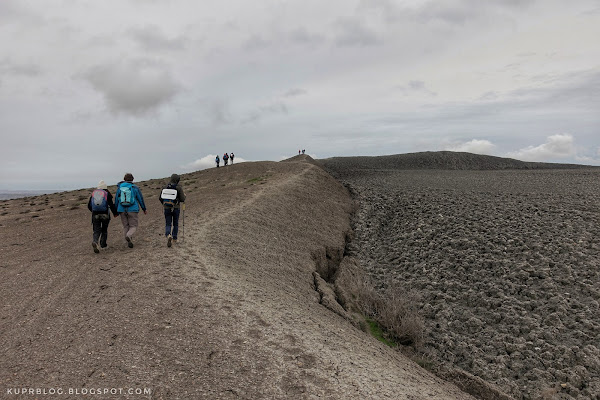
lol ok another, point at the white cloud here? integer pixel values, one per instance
(208, 161)
(473, 146)
(559, 146)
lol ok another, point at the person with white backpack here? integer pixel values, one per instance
(101, 204)
(173, 201)
(129, 200)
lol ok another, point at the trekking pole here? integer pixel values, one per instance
(183, 221)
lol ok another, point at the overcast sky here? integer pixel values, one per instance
(92, 89)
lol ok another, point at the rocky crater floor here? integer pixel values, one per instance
(505, 263)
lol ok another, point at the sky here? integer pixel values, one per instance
(90, 89)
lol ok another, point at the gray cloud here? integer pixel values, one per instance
(414, 86)
(294, 92)
(581, 88)
(452, 12)
(592, 11)
(353, 32)
(276, 108)
(253, 67)
(134, 87)
(218, 112)
(8, 67)
(255, 42)
(488, 96)
(303, 37)
(8, 10)
(152, 38)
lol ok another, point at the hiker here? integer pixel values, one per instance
(298, 151)
(231, 158)
(172, 197)
(217, 160)
(225, 158)
(101, 204)
(129, 201)
(303, 151)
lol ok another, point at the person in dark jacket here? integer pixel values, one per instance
(129, 211)
(172, 209)
(101, 205)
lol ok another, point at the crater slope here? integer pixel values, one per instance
(505, 262)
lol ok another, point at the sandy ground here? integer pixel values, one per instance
(505, 264)
(229, 312)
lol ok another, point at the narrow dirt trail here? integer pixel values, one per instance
(230, 312)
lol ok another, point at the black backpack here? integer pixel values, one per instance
(169, 195)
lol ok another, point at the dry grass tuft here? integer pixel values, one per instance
(393, 308)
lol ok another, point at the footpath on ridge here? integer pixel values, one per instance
(229, 312)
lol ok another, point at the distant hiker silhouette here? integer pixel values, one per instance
(225, 158)
(101, 204)
(129, 201)
(218, 160)
(172, 199)
(303, 151)
(231, 158)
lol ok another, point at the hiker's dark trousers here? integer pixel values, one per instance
(100, 223)
(171, 221)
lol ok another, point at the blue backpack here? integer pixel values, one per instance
(99, 200)
(126, 198)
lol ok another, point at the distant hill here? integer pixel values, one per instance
(16, 194)
(447, 160)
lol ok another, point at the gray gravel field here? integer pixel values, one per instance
(506, 265)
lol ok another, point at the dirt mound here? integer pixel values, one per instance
(505, 264)
(231, 311)
(447, 160)
(301, 158)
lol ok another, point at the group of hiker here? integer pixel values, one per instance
(226, 159)
(127, 204)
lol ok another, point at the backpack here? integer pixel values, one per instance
(126, 195)
(225, 156)
(99, 200)
(169, 195)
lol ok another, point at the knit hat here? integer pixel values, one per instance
(175, 178)
(102, 185)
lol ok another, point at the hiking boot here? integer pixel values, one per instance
(129, 242)
(95, 246)
(169, 240)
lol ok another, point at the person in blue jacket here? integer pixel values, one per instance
(129, 200)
